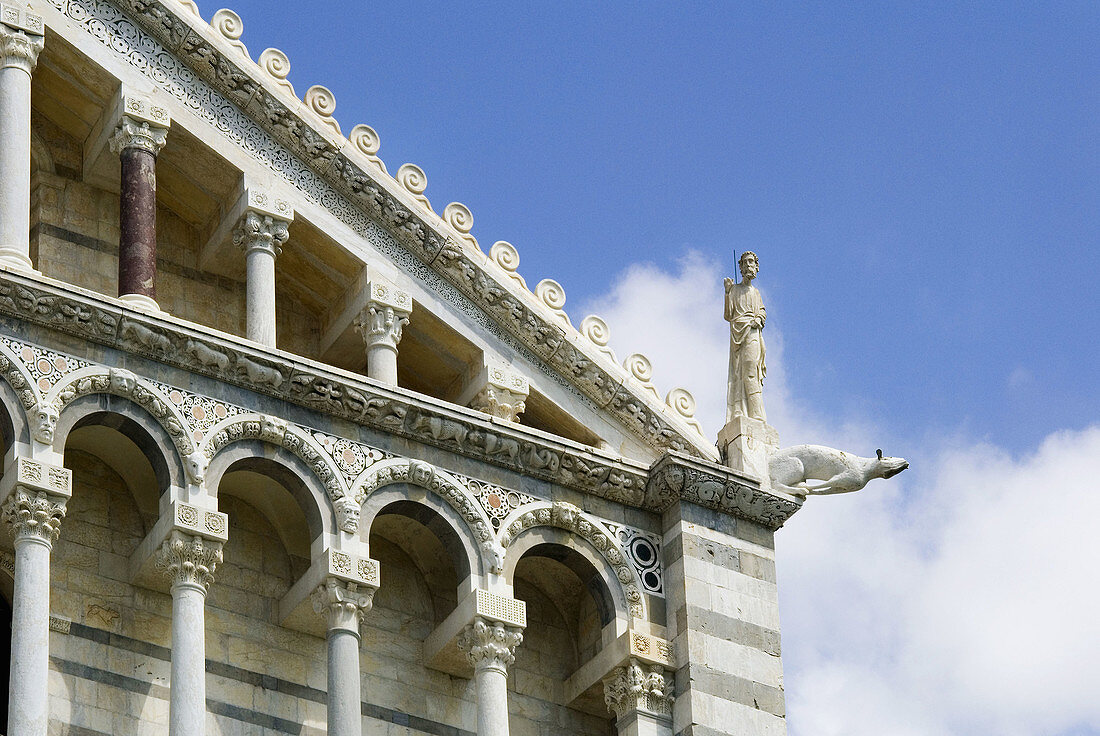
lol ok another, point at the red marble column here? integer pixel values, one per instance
(137, 142)
(137, 247)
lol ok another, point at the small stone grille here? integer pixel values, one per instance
(497, 607)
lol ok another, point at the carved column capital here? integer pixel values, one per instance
(21, 38)
(138, 134)
(384, 316)
(34, 514)
(503, 392)
(343, 603)
(189, 559)
(35, 504)
(261, 231)
(637, 686)
(490, 644)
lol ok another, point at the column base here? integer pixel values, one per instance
(16, 260)
(745, 444)
(142, 302)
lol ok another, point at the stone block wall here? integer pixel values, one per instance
(724, 623)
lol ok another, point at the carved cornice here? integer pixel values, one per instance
(343, 603)
(490, 644)
(260, 231)
(680, 477)
(443, 243)
(189, 559)
(638, 687)
(139, 134)
(388, 409)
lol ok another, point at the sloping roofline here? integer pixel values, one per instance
(443, 242)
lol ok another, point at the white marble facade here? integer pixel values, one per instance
(346, 474)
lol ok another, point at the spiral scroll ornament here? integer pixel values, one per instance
(458, 216)
(365, 139)
(230, 27)
(639, 367)
(596, 330)
(320, 100)
(276, 64)
(413, 178)
(505, 255)
(683, 403)
(551, 294)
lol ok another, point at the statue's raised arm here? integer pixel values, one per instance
(745, 312)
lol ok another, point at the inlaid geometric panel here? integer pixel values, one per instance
(644, 552)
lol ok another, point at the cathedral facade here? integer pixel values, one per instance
(287, 451)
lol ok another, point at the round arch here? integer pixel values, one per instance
(262, 457)
(431, 511)
(449, 498)
(530, 525)
(131, 420)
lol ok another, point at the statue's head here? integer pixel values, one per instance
(748, 264)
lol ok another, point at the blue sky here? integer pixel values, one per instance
(922, 184)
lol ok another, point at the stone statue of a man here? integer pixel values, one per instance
(745, 313)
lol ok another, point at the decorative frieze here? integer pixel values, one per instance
(638, 687)
(189, 559)
(342, 603)
(490, 644)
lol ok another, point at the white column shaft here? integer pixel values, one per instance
(28, 704)
(345, 714)
(15, 163)
(188, 687)
(382, 363)
(260, 307)
(492, 701)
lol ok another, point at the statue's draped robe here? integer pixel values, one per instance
(744, 308)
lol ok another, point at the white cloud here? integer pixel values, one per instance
(962, 597)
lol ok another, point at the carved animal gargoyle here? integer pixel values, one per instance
(793, 468)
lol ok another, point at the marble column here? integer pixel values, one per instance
(21, 40)
(261, 233)
(343, 605)
(640, 696)
(381, 323)
(34, 508)
(490, 647)
(189, 561)
(140, 135)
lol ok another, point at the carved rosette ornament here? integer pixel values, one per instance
(503, 395)
(638, 687)
(490, 644)
(343, 603)
(257, 230)
(34, 514)
(188, 559)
